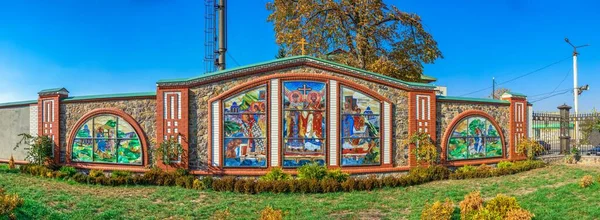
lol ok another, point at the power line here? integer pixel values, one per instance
(235, 61)
(550, 96)
(521, 76)
(547, 93)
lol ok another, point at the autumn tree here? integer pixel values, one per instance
(367, 34)
(498, 93)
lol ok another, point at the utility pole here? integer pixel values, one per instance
(576, 90)
(493, 87)
(222, 12)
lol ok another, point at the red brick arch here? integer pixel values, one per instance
(448, 133)
(92, 165)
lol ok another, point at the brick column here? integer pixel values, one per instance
(172, 122)
(518, 122)
(49, 116)
(421, 118)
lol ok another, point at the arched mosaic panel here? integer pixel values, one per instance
(245, 129)
(360, 129)
(107, 138)
(304, 123)
(474, 137)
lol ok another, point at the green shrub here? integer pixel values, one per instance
(350, 185)
(198, 185)
(312, 171)
(80, 178)
(121, 173)
(275, 174)
(501, 204)
(303, 186)
(586, 181)
(426, 174)
(268, 213)
(466, 169)
(96, 173)
(239, 185)
(207, 182)
(250, 187)
(438, 210)
(263, 186)
(68, 171)
(153, 176)
(330, 185)
(529, 147)
(189, 182)
(281, 186)
(390, 181)
(181, 172)
(8, 203)
(337, 175)
(224, 184)
(314, 186)
(369, 183)
(40, 148)
(470, 205)
(504, 164)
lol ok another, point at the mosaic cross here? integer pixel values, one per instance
(304, 89)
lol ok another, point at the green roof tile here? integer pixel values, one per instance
(110, 96)
(10, 104)
(468, 99)
(53, 90)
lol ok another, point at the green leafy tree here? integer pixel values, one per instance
(39, 150)
(366, 34)
(169, 151)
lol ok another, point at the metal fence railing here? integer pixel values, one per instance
(582, 131)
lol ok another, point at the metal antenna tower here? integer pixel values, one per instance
(210, 36)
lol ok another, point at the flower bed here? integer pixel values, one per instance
(311, 179)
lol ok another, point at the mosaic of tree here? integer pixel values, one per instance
(107, 139)
(474, 137)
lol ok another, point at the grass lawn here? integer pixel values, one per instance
(550, 193)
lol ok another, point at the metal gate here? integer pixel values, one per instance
(583, 131)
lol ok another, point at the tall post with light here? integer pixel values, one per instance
(576, 89)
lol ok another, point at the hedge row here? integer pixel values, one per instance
(181, 178)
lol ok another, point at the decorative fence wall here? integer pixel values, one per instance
(581, 131)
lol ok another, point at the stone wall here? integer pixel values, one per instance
(13, 121)
(200, 95)
(142, 110)
(448, 110)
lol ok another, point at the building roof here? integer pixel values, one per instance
(54, 91)
(514, 94)
(428, 79)
(110, 96)
(12, 104)
(468, 99)
(286, 63)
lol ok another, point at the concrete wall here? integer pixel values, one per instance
(13, 121)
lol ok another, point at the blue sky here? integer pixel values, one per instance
(97, 47)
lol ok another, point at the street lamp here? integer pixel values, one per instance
(576, 89)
